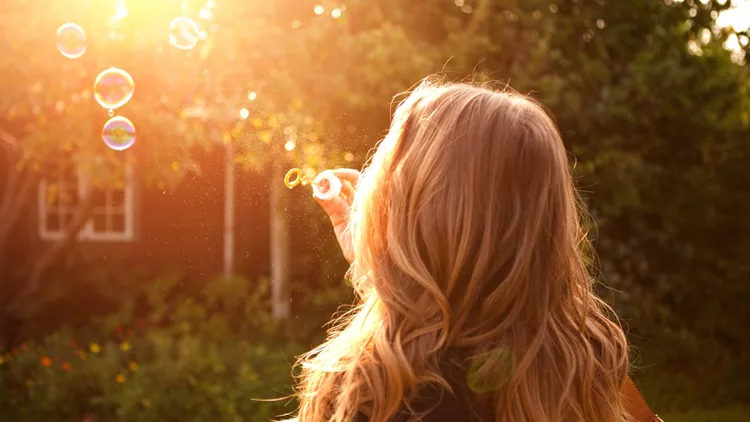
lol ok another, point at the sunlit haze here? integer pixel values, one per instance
(738, 17)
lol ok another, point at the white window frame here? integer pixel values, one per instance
(87, 232)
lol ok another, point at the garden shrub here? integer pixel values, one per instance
(219, 359)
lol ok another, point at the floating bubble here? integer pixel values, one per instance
(113, 88)
(118, 133)
(71, 40)
(183, 33)
(491, 370)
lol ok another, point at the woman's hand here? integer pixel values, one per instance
(339, 208)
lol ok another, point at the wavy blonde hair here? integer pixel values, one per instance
(466, 237)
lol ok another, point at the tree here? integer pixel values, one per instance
(295, 71)
(650, 103)
(49, 119)
(654, 109)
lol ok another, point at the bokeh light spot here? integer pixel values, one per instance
(206, 14)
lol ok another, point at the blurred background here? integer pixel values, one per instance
(178, 278)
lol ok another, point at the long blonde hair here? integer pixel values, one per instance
(466, 238)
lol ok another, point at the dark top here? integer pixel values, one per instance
(440, 405)
(447, 409)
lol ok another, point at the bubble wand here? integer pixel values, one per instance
(325, 186)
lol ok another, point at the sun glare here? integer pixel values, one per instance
(738, 17)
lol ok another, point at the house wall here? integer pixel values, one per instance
(184, 228)
(181, 229)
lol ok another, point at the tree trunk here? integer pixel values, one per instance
(18, 188)
(281, 306)
(53, 253)
(15, 199)
(13, 195)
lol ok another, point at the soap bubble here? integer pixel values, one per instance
(118, 133)
(71, 40)
(113, 88)
(183, 33)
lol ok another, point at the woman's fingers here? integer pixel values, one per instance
(336, 208)
(347, 191)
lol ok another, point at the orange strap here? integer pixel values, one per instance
(636, 405)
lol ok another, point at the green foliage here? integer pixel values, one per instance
(214, 360)
(155, 376)
(654, 109)
(728, 414)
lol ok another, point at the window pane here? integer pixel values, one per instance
(67, 219)
(118, 223)
(69, 196)
(118, 197)
(100, 223)
(69, 175)
(100, 198)
(52, 222)
(53, 198)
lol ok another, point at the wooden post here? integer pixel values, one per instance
(281, 307)
(229, 202)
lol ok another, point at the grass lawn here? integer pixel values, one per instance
(727, 414)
